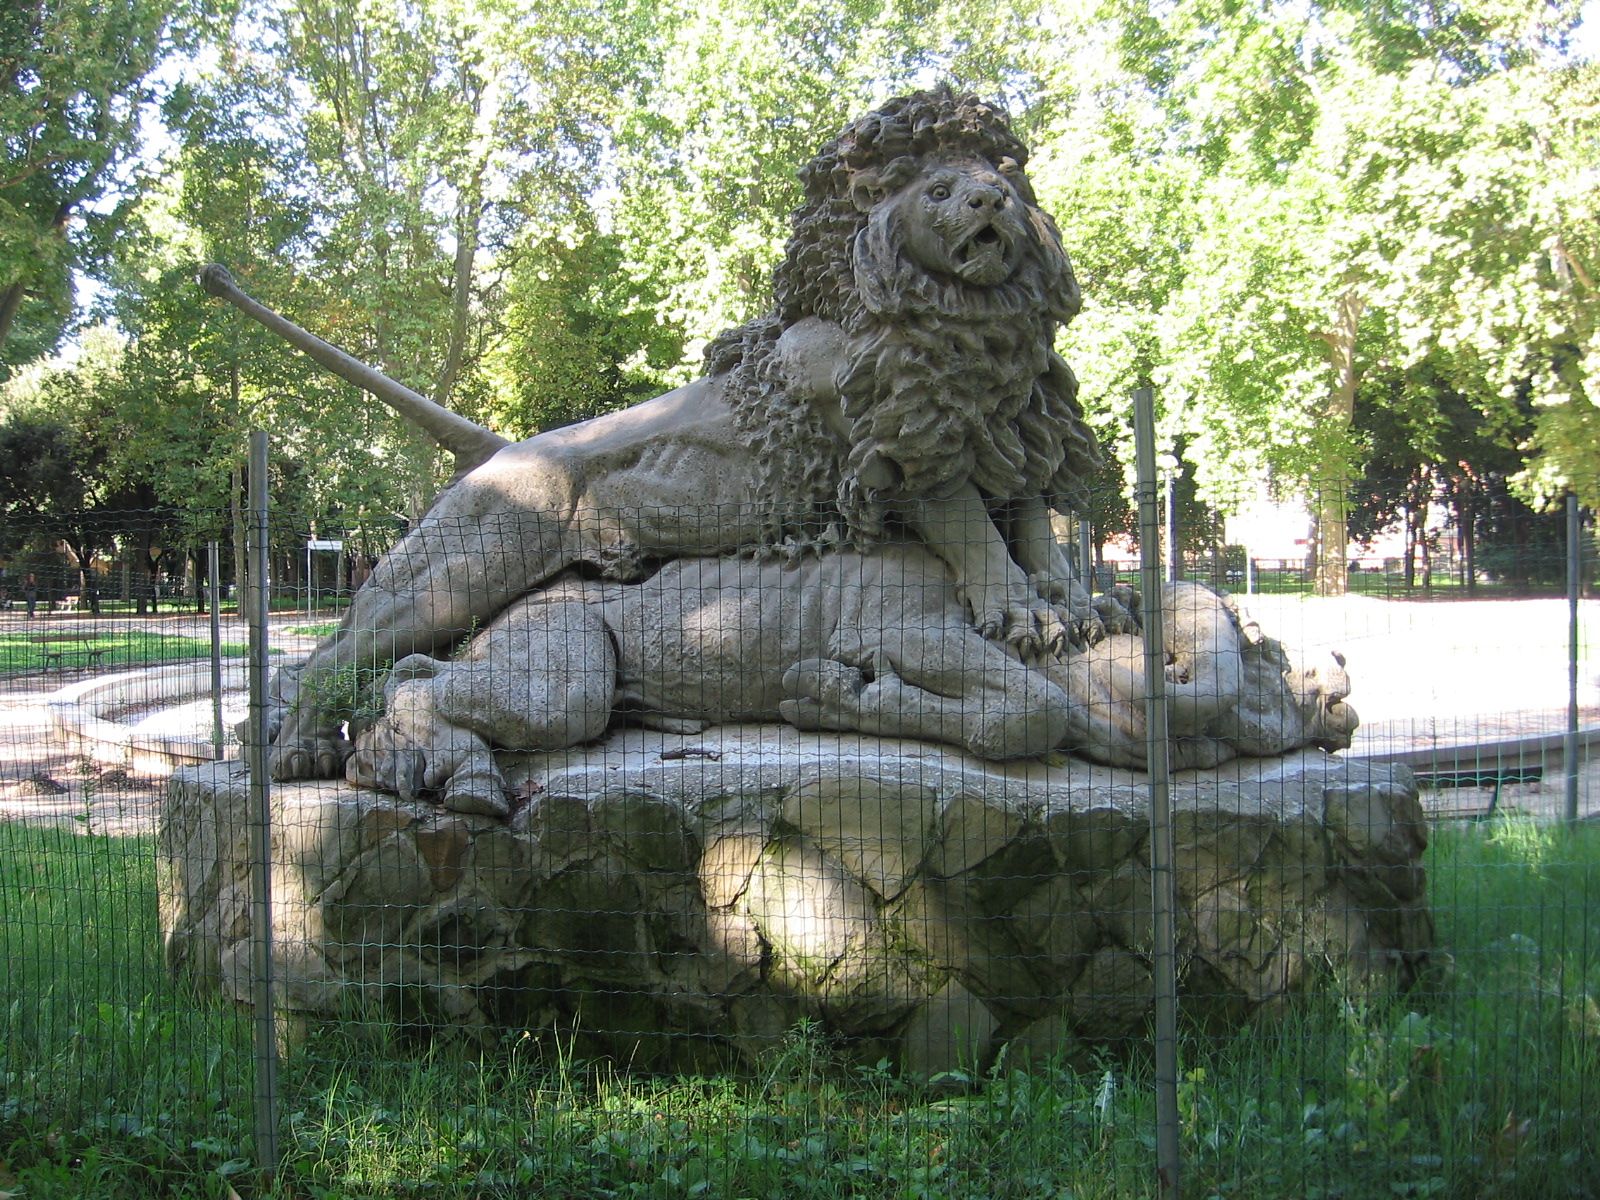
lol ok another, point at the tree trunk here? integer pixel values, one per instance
(10, 302)
(1411, 547)
(1332, 539)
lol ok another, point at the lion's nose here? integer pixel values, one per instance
(986, 196)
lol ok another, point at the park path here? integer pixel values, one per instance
(1425, 674)
(40, 780)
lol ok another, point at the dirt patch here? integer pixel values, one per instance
(39, 781)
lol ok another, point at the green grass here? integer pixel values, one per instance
(119, 1082)
(25, 651)
(322, 629)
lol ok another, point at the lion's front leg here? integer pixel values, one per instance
(1039, 554)
(1002, 602)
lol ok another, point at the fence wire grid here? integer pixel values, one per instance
(598, 871)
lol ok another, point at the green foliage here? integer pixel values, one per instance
(535, 212)
(73, 81)
(580, 338)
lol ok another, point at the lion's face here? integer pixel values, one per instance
(961, 219)
(961, 232)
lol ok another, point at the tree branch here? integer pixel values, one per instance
(1577, 268)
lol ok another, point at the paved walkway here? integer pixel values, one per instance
(39, 779)
(1425, 674)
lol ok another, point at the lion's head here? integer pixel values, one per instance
(873, 198)
(921, 238)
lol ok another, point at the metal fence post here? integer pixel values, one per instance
(1569, 749)
(213, 582)
(1162, 879)
(266, 1042)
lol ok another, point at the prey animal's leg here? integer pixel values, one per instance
(541, 677)
(945, 685)
(454, 571)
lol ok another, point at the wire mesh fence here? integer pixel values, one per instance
(603, 863)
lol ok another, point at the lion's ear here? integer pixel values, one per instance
(866, 190)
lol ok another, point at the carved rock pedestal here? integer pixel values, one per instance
(683, 901)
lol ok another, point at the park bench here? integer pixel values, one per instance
(55, 658)
(1483, 777)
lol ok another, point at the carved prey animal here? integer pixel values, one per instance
(1231, 690)
(906, 383)
(874, 644)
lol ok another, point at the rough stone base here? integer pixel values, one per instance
(676, 901)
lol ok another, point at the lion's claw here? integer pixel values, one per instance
(1031, 628)
(311, 758)
(1117, 611)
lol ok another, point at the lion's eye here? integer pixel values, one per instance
(939, 191)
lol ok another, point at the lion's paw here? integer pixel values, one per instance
(1039, 633)
(1118, 611)
(1073, 611)
(321, 757)
(1026, 623)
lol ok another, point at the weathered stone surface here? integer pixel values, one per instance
(879, 830)
(919, 902)
(950, 1032)
(1095, 839)
(802, 428)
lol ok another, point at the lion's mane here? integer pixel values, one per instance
(946, 380)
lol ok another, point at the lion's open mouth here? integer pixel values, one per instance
(987, 238)
(981, 258)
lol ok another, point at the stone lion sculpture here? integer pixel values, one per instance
(905, 383)
(876, 643)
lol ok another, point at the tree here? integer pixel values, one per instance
(61, 442)
(726, 105)
(74, 76)
(1425, 444)
(580, 337)
(436, 132)
(1301, 262)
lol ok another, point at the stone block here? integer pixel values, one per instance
(1095, 839)
(971, 829)
(949, 1032)
(878, 829)
(923, 905)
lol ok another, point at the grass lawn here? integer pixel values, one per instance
(25, 651)
(320, 629)
(120, 1082)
